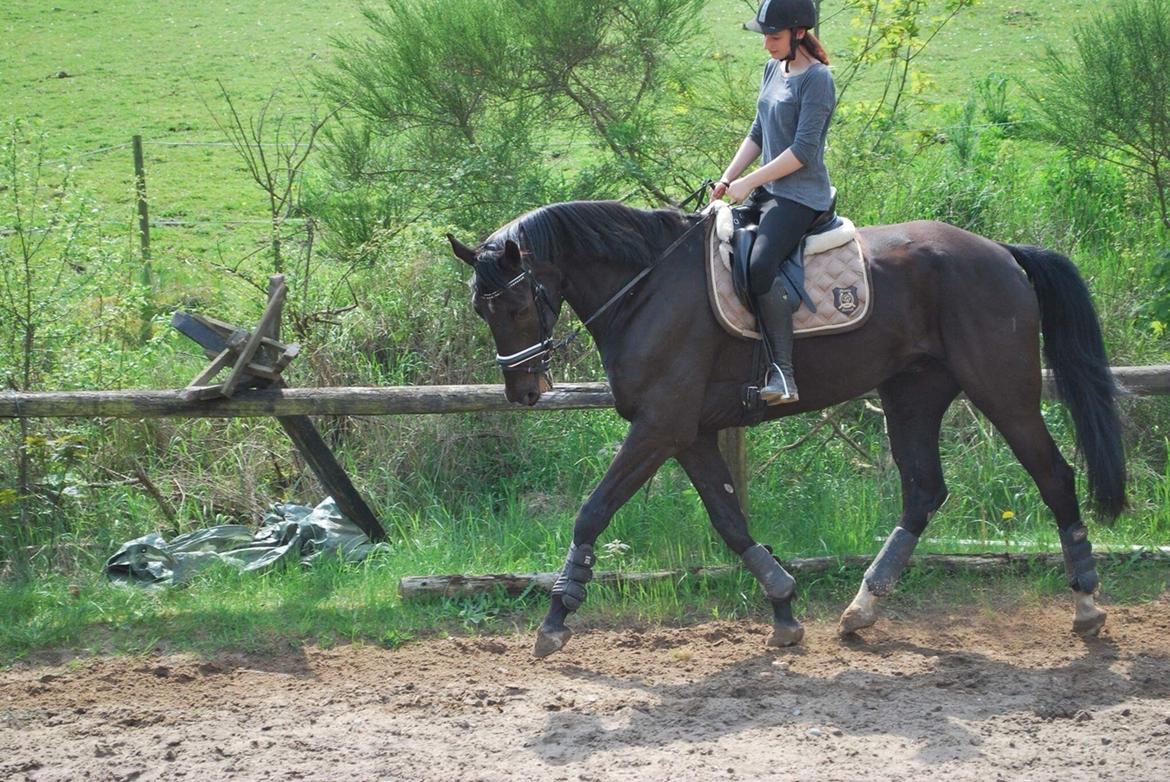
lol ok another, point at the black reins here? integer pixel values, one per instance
(519, 361)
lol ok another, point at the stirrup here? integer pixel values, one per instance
(782, 393)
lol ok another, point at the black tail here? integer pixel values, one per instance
(1076, 356)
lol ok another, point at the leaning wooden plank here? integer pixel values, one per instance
(221, 346)
(275, 282)
(221, 360)
(333, 479)
(193, 326)
(221, 328)
(514, 584)
(270, 316)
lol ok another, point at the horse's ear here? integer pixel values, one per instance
(511, 260)
(462, 251)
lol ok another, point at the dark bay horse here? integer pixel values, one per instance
(952, 312)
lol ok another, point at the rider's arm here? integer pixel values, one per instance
(748, 151)
(780, 167)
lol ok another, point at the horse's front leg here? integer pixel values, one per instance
(708, 471)
(643, 452)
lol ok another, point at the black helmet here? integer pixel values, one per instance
(777, 15)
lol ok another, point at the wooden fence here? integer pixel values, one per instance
(407, 400)
(390, 400)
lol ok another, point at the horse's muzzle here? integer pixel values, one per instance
(528, 389)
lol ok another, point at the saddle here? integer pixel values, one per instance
(827, 273)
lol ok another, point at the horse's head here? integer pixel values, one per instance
(520, 305)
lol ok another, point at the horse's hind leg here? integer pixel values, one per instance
(708, 471)
(1032, 444)
(1009, 395)
(914, 403)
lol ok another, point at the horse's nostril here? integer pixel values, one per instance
(531, 398)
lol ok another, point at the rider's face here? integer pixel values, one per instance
(778, 44)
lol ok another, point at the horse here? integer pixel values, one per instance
(952, 312)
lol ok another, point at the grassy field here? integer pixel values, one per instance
(464, 493)
(91, 75)
(153, 69)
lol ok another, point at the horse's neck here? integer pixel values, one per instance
(592, 282)
(595, 280)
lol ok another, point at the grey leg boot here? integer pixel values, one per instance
(774, 312)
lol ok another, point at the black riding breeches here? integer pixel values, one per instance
(782, 224)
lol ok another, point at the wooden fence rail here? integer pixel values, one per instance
(390, 400)
(516, 583)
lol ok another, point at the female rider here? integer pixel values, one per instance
(791, 189)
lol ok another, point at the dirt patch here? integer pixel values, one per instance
(971, 696)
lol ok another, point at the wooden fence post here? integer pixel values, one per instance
(143, 209)
(733, 446)
(143, 236)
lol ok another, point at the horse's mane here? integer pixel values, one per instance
(598, 229)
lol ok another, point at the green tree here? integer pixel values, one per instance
(495, 105)
(480, 109)
(1111, 98)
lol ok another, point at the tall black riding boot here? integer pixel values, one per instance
(774, 312)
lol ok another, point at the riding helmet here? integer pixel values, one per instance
(777, 15)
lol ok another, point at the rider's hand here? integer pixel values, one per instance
(738, 191)
(718, 190)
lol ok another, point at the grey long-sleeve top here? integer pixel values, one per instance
(794, 111)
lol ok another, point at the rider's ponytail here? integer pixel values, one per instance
(814, 47)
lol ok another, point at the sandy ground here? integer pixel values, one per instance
(933, 694)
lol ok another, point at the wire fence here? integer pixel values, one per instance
(231, 221)
(255, 217)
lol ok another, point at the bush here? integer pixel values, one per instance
(1111, 100)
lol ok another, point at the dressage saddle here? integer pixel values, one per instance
(745, 221)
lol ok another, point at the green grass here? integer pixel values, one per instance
(333, 603)
(146, 68)
(826, 499)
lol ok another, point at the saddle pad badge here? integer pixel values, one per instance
(845, 300)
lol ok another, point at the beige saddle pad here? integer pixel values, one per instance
(836, 278)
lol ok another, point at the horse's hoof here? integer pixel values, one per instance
(786, 634)
(549, 641)
(1090, 624)
(855, 619)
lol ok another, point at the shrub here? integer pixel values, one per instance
(1111, 99)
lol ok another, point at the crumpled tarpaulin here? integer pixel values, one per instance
(290, 532)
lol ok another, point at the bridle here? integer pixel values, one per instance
(521, 361)
(546, 346)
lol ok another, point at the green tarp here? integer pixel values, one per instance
(289, 533)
